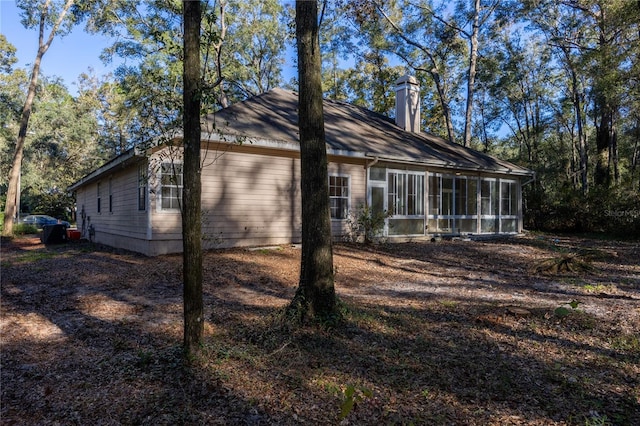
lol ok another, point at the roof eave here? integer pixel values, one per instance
(121, 160)
(450, 165)
(295, 146)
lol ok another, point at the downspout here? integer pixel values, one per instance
(373, 163)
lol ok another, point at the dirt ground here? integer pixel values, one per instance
(536, 330)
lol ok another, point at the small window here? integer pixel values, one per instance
(378, 173)
(339, 196)
(110, 195)
(99, 199)
(142, 187)
(171, 186)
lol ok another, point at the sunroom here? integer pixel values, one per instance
(419, 202)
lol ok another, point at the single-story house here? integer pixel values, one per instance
(251, 180)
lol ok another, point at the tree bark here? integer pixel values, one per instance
(191, 195)
(604, 131)
(315, 296)
(11, 207)
(473, 60)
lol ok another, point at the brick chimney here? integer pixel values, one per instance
(408, 104)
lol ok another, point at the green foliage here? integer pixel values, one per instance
(596, 419)
(24, 228)
(626, 342)
(366, 225)
(564, 311)
(7, 55)
(614, 212)
(56, 204)
(352, 395)
(61, 144)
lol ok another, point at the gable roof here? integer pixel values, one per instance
(349, 129)
(271, 119)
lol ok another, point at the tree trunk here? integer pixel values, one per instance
(446, 110)
(11, 204)
(473, 59)
(315, 296)
(582, 137)
(602, 173)
(191, 212)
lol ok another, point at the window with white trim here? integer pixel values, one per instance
(99, 198)
(171, 186)
(110, 195)
(472, 204)
(142, 187)
(339, 196)
(508, 206)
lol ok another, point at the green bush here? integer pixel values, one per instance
(364, 225)
(610, 211)
(24, 228)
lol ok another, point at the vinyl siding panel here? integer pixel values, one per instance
(124, 226)
(251, 197)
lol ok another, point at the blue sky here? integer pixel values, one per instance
(72, 55)
(68, 57)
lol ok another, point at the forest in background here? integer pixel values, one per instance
(549, 85)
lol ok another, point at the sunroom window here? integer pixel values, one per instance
(406, 193)
(508, 206)
(405, 202)
(461, 203)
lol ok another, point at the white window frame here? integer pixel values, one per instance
(98, 197)
(342, 197)
(110, 194)
(399, 194)
(179, 186)
(494, 198)
(512, 190)
(142, 187)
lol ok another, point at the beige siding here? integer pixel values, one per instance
(124, 226)
(251, 197)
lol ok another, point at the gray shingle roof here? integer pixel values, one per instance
(274, 116)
